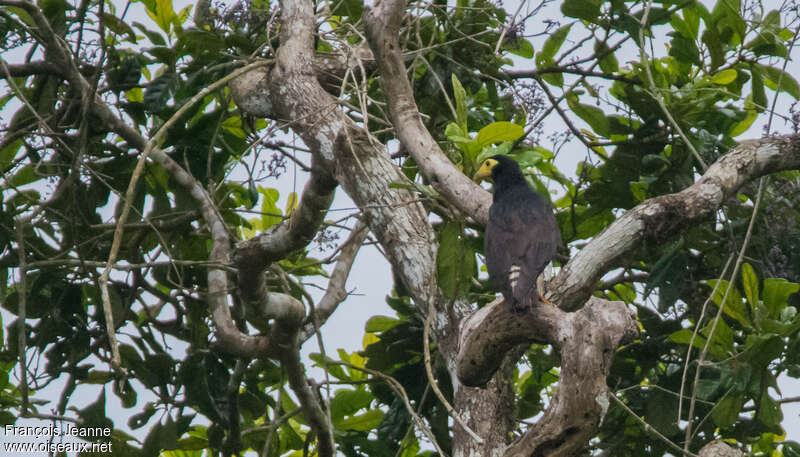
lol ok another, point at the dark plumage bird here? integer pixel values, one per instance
(521, 236)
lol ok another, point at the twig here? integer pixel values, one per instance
(22, 315)
(432, 381)
(654, 90)
(731, 282)
(278, 419)
(318, 420)
(649, 428)
(694, 335)
(129, 195)
(401, 392)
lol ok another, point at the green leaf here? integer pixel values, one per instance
(363, 422)
(272, 214)
(691, 16)
(592, 115)
(543, 62)
(608, 60)
(743, 125)
(685, 50)
(684, 336)
(724, 77)
(154, 37)
(778, 79)
(94, 415)
(662, 409)
(25, 175)
(140, 419)
(721, 340)
(555, 41)
(347, 401)
(292, 202)
(682, 27)
(581, 9)
(454, 133)
(757, 82)
(118, 26)
(179, 19)
(162, 15)
(769, 411)
(497, 132)
(520, 47)
(776, 294)
(334, 369)
(715, 47)
(455, 261)
(726, 411)
(351, 8)
(762, 349)
(233, 125)
(98, 377)
(161, 437)
(380, 324)
(22, 15)
(460, 96)
(750, 283)
(159, 91)
(791, 449)
(734, 305)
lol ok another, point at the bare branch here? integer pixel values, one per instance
(310, 403)
(535, 74)
(37, 67)
(336, 292)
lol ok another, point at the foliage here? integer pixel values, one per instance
(64, 173)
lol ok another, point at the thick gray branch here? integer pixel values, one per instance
(36, 67)
(586, 339)
(290, 91)
(253, 256)
(663, 217)
(336, 291)
(228, 335)
(383, 32)
(485, 410)
(719, 448)
(229, 338)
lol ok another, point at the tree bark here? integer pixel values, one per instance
(718, 448)
(586, 338)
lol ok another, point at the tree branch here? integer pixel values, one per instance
(663, 217)
(253, 256)
(336, 292)
(310, 403)
(37, 67)
(383, 30)
(586, 339)
(536, 74)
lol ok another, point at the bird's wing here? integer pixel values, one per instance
(522, 240)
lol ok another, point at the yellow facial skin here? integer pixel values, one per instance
(485, 171)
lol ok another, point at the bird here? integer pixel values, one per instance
(521, 234)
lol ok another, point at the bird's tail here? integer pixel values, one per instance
(523, 287)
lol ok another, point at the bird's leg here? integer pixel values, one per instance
(539, 287)
(543, 299)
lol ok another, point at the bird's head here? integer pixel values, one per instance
(492, 166)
